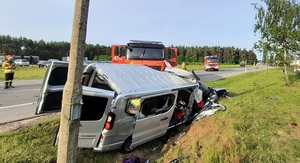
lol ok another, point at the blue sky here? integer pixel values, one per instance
(174, 22)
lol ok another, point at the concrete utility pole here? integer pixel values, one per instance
(72, 94)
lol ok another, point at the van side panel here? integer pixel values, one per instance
(154, 118)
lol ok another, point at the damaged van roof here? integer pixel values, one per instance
(130, 78)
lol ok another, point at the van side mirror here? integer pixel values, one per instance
(133, 106)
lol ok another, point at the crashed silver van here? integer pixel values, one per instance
(123, 105)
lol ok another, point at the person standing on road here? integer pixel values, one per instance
(9, 70)
(183, 66)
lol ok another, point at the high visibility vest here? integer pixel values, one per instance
(9, 66)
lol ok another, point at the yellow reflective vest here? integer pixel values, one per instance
(9, 67)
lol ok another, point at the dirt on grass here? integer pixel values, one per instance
(192, 136)
(17, 125)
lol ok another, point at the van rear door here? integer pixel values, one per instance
(96, 104)
(94, 111)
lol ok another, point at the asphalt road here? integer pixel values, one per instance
(20, 102)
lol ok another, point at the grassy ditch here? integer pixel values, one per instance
(261, 124)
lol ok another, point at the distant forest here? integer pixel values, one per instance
(56, 50)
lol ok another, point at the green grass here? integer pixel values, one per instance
(261, 124)
(31, 144)
(263, 112)
(26, 73)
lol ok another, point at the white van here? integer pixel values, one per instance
(123, 105)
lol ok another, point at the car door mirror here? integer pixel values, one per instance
(134, 106)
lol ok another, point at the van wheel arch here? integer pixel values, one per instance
(125, 148)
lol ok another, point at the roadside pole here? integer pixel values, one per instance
(72, 94)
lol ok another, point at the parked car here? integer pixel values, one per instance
(22, 62)
(42, 63)
(242, 64)
(1, 62)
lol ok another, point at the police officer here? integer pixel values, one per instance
(9, 70)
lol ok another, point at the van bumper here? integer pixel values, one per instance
(110, 147)
(211, 68)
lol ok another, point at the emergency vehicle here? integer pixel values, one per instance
(147, 53)
(211, 63)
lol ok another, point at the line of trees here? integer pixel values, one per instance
(45, 50)
(227, 55)
(278, 25)
(56, 50)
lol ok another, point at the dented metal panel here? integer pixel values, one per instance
(137, 78)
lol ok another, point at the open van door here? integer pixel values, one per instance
(50, 96)
(153, 118)
(96, 104)
(94, 111)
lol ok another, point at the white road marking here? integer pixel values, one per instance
(12, 106)
(20, 91)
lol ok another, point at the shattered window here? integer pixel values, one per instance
(157, 105)
(100, 83)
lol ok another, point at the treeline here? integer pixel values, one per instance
(56, 50)
(45, 50)
(227, 55)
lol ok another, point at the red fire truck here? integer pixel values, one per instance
(211, 63)
(149, 53)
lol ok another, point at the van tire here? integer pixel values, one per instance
(125, 148)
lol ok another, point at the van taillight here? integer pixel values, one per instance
(110, 121)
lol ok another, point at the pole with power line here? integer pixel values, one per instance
(72, 94)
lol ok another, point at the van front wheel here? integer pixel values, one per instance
(125, 148)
